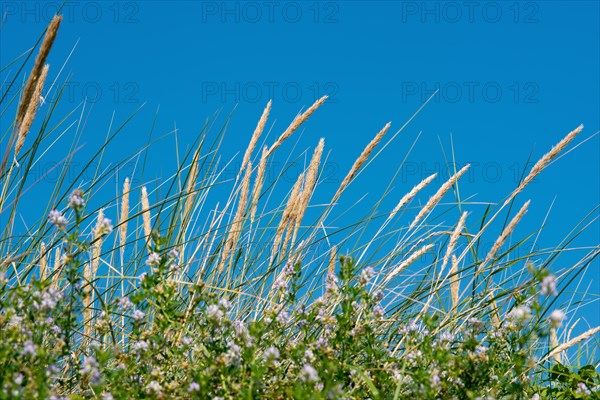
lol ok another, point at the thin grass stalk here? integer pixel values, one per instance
(410, 195)
(565, 346)
(504, 235)
(360, 161)
(435, 199)
(236, 227)
(31, 111)
(404, 264)
(544, 161)
(299, 120)
(309, 187)
(258, 183)
(124, 215)
(34, 76)
(256, 135)
(43, 262)
(146, 216)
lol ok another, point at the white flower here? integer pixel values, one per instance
(104, 227)
(366, 275)
(125, 303)
(18, 379)
(194, 387)
(214, 313)
(378, 312)
(271, 354)
(548, 286)
(223, 302)
(107, 396)
(140, 347)
(29, 348)
(154, 386)
(153, 259)
(56, 218)
(76, 199)
(535, 397)
(309, 374)
(520, 313)
(556, 318)
(138, 315)
(582, 389)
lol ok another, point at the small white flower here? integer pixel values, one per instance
(29, 348)
(76, 199)
(18, 379)
(548, 286)
(378, 312)
(582, 389)
(138, 315)
(214, 313)
(154, 386)
(140, 347)
(309, 374)
(271, 354)
(125, 303)
(225, 303)
(194, 387)
(556, 318)
(107, 396)
(56, 218)
(153, 259)
(104, 227)
(366, 275)
(520, 313)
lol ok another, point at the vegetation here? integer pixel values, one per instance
(168, 301)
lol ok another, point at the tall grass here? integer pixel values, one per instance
(155, 293)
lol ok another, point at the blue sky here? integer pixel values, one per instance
(513, 79)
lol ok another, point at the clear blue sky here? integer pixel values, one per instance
(513, 79)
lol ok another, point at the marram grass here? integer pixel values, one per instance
(180, 301)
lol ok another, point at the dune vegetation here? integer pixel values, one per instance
(156, 294)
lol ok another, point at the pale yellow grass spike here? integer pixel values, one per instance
(299, 120)
(191, 184)
(34, 76)
(453, 239)
(236, 227)
(31, 110)
(454, 282)
(554, 343)
(504, 235)
(146, 214)
(404, 264)
(565, 346)
(90, 271)
(432, 202)
(293, 210)
(57, 267)
(410, 195)
(124, 214)
(258, 183)
(332, 261)
(544, 161)
(360, 161)
(309, 187)
(290, 206)
(256, 135)
(43, 262)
